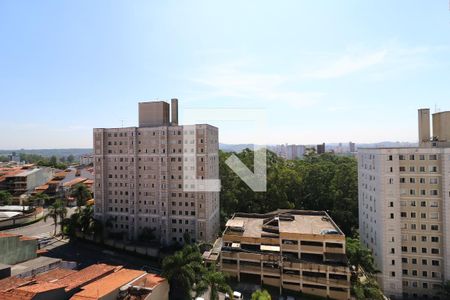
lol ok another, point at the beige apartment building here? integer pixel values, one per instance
(404, 211)
(299, 251)
(141, 176)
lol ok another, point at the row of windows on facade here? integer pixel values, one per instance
(414, 156)
(414, 226)
(424, 262)
(422, 169)
(422, 192)
(153, 133)
(152, 159)
(417, 296)
(420, 180)
(163, 151)
(414, 250)
(412, 203)
(424, 285)
(162, 142)
(413, 215)
(424, 250)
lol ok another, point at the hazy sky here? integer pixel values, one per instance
(329, 71)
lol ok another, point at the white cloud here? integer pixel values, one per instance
(232, 81)
(348, 64)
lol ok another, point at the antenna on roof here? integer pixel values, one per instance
(122, 122)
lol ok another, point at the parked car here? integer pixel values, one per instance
(236, 296)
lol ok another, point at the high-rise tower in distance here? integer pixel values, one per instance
(140, 172)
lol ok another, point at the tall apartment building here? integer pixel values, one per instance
(294, 250)
(404, 211)
(141, 173)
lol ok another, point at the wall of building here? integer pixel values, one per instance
(15, 250)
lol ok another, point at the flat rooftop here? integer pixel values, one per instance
(283, 221)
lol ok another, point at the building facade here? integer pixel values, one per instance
(140, 176)
(25, 181)
(404, 211)
(300, 251)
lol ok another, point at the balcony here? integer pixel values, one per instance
(272, 281)
(292, 287)
(289, 247)
(339, 295)
(232, 255)
(313, 279)
(229, 267)
(249, 256)
(271, 271)
(312, 249)
(291, 277)
(315, 291)
(334, 250)
(250, 269)
(291, 265)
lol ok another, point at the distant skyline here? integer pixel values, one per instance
(324, 72)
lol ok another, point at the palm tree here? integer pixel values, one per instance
(39, 199)
(261, 295)
(183, 270)
(81, 193)
(62, 213)
(54, 211)
(214, 280)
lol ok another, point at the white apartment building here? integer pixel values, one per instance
(140, 172)
(404, 211)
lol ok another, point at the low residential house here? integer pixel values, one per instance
(98, 281)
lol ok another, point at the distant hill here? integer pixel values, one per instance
(50, 152)
(224, 147)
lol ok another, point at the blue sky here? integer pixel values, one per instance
(329, 71)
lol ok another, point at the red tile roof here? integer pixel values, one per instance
(40, 287)
(87, 275)
(13, 282)
(53, 275)
(149, 281)
(17, 295)
(107, 284)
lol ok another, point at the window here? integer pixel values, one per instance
(434, 251)
(433, 157)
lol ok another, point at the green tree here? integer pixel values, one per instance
(5, 198)
(55, 211)
(147, 235)
(359, 256)
(214, 280)
(368, 289)
(183, 270)
(261, 295)
(81, 193)
(70, 158)
(53, 160)
(445, 290)
(317, 182)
